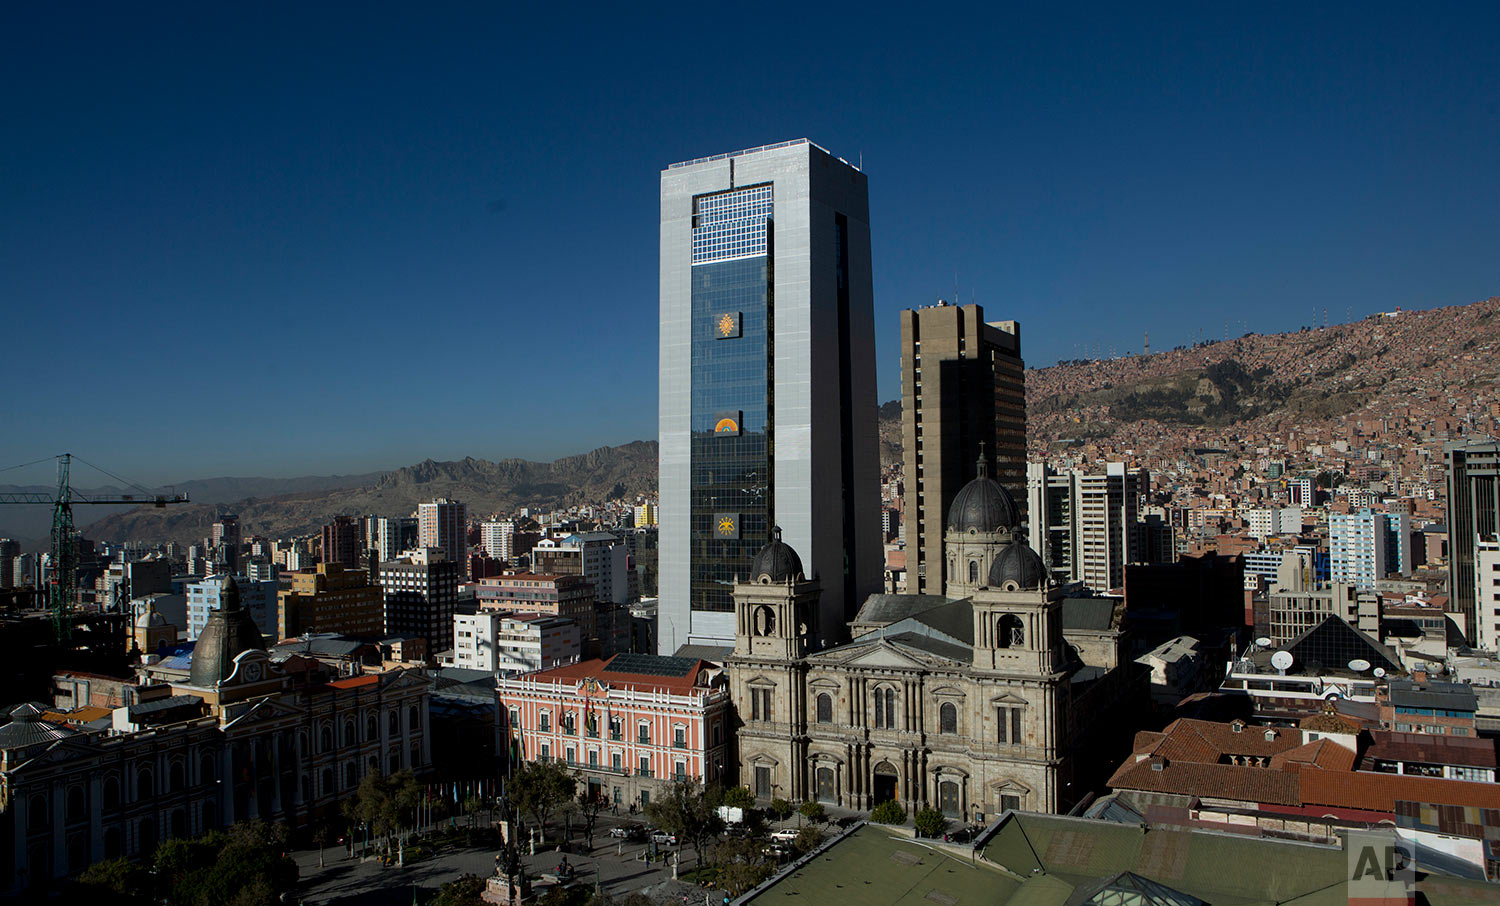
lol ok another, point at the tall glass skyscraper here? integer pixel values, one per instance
(767, 408)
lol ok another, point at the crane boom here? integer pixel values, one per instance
(62, 588)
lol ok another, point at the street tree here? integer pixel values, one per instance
(687, 810)
(739, 797)
(541, 787)
(589, 804)
(813, 811)
(781, 808)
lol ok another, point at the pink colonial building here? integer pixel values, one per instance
(628, 725)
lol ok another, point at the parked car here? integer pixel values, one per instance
(776, 851)
(666, 838)
(631, 832)
(785, 835)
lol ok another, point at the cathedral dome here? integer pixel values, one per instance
(983, 505)
(776, 561)
(228, 633)
(1019, 564)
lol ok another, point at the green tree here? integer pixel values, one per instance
(781, 808)
(929, 822)
(463, 892)
(888, 812)
(808, 839)
(739, 797)
(540, 788)
(118, 880)
(812, 810)
(687, 810)
(743, 864)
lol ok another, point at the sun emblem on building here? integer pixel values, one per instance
(726, 524)
(726, 325)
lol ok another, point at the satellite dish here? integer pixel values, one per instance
(1263, 642)
(1359, 665)
(1281, 660)
(1379, 672)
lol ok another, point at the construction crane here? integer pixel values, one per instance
(62, 586)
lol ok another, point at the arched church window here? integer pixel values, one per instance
(948, 718)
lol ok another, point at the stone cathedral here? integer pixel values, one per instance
(965, 702)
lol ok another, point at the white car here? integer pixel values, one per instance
(664, 837)
(785, 835)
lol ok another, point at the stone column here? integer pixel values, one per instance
(276, 773)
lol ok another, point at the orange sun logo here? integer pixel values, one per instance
(726, 525)
(726, 325)
(726, 426)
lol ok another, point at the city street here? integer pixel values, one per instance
(616, 865)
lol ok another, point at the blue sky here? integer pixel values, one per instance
(278, 240)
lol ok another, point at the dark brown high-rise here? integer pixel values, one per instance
(963, 395)
(341, 542)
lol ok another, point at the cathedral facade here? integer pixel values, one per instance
(965, 702)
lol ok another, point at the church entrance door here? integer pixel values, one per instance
(826, 792)
(884, 788)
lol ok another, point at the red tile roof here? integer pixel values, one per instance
(600, 670)
(354, 682)
(1379, 792)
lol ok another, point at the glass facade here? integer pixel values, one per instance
(731, 508)
(731, 224)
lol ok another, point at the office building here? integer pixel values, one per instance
(330, 598)
(601, 557)
(514, 642)
(394, 534)
(443, 524)
(963, 396)
(570, 596)
(1108, 508)
(257, 598)
(1264, 522)
(225, 539)
(767, 389)
(645, 515)
(1366, 546)
(421, 595)
(1473, 521)
(341, 542)
(1049, 523)
(498, 539)
(9, 551)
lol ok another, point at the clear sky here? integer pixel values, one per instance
(280, 239)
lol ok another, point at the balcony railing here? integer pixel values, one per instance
(592, 734)
(616, 736)
(643, 740)
(644, 772)
(679, 743)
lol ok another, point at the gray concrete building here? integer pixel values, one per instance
(963, 396)
(1473, 524)
(767, 400)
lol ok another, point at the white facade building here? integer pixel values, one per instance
(514, 642)
(257, 598)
